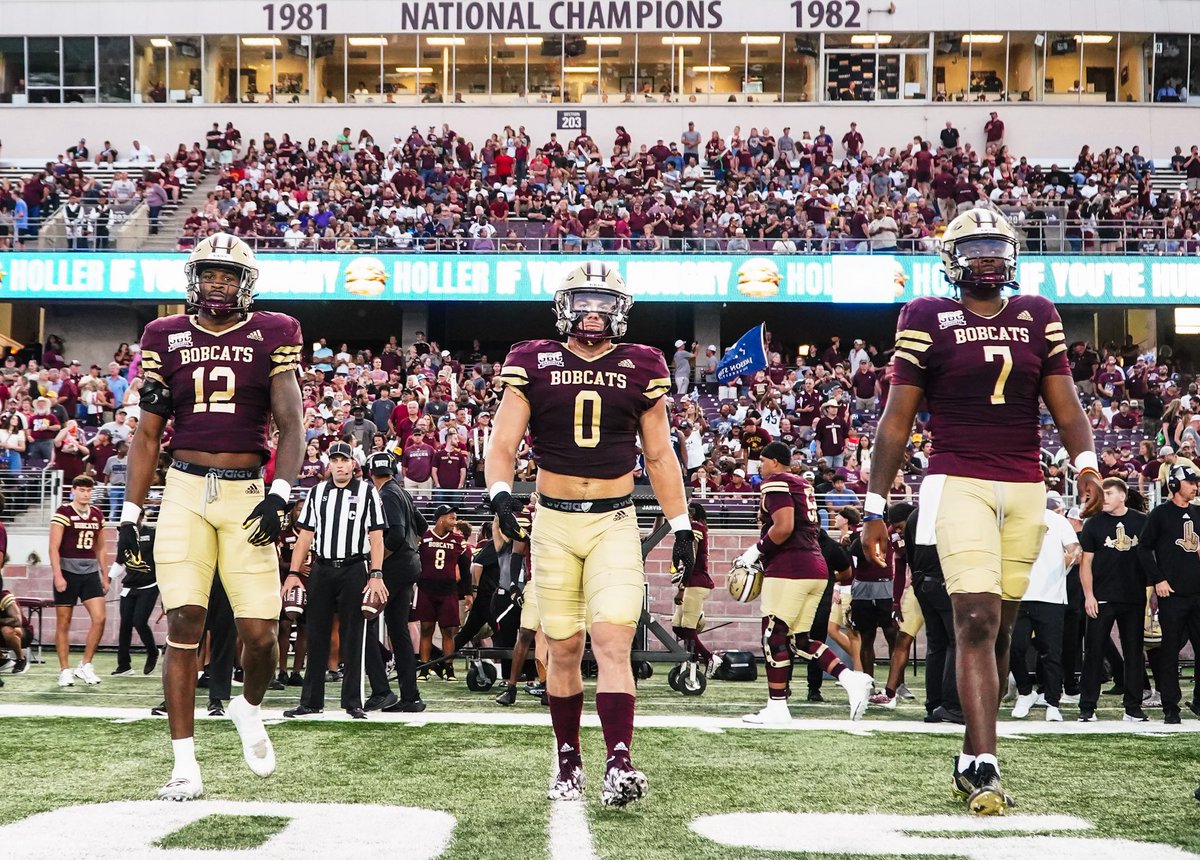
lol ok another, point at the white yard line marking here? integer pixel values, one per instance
(648, 721)
(570, 838)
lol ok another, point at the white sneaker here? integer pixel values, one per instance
(1154, 700)
(904, 693)
(87, 674)
(1068, 700)
(1053, 714)
(256, 746)
(776, 713)
(1023, 705)
(66, 678)
(181, 788)
(858, 686)
(1010, 692)
(1040, 701)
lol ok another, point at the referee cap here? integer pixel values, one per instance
(380, 463)
(340, 449)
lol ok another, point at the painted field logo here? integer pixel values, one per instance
(127, 829)
(876, 835)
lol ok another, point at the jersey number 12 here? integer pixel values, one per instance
(218, 399)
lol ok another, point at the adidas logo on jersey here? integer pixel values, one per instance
(625, 362)
(254, 335)
(253, 490)
(1025, 315)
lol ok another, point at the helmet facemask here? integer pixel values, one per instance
(243, 298)
(982, 263)
(573, 307)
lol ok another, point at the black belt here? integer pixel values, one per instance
(221, 474)
(341, 562)
(585, 506)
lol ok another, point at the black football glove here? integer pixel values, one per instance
(518, 593)
(129, 549)
(683, 556)
(502, 506)
(271, 515)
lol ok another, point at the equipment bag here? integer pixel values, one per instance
(737, 666)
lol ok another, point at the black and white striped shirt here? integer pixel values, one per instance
(342, 518)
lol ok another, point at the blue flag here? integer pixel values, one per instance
(746, 356)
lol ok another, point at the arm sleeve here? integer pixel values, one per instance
(1145, 551)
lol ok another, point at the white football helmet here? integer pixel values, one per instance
(592, 287)
(983, 238)
(745, 581)
(223, 251)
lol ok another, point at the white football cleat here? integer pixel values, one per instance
(623, 784)
(776, 713)
(1023, 705)
(256, 746)
(87, 674)
(66, 678)
(181, 788)
(883, 700)
(567, 786)
(858, 686)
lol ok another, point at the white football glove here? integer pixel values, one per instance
(748, 558)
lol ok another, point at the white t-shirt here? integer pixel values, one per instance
(1048, 579)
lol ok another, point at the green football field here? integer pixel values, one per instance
(489, 770)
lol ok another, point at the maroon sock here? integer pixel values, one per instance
(616, 718)
(823, 654)
(777, 680)
(565, 712)
(701, 650)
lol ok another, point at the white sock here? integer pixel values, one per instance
(185, 757)
(965, 761)
(251, 710)
(988, 758)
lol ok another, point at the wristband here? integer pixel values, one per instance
(871, 517)
(498, 488)
(874, 504)
(375, 574)
(680, 523)
(281, 488)
(1087, 460)
(130, 513)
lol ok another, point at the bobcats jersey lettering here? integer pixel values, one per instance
(587, 377)
(991, 332)
(196, 354)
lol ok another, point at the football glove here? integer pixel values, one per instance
(518, 593)
(503, 507)
(270, 515)
(683, 555)
(129, 548)
(749, 558)
(677, 577)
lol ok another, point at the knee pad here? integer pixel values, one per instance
(777, 643)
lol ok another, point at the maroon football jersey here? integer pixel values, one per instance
(221, 382)
(439, 561)
(800, 555)
(79, 531)
(584, 415)
(699, 577)
(982, 377)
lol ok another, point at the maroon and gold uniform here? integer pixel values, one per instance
(794, 573)
(9, 600)
(77, 554)
(220, 400)
(584, 417)
(982, 377)
(437, 588)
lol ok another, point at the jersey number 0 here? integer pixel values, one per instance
(587, 419)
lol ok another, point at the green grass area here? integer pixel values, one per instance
(493, 778)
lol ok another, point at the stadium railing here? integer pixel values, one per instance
(31, 495)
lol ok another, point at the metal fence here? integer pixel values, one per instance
(30, 495)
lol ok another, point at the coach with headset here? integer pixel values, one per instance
(342, 522)
(1169, 551)
(401, 567)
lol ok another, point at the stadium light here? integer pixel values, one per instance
(519, 41)
(982, 38)
(1187, 320)
(602, 40)
(160, 43)
(760, 40)
(716, 70)
(582, 70)
(367, 41)
(261, 41)
(873, 39)
(681, 40)
(1093, 39)
(415, 70)
(444, 41)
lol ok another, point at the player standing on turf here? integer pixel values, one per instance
(222, 374)
(980, 363)
(585, 402)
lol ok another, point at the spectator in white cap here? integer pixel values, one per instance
(1170, 460)
(737, 483)
(293, 237)
(683, 366)
(711, 359)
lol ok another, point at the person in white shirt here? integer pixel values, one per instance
(693, 446)
(784, 244)
(293, 237)
(858, 353)
(1043, 611)
(139, 154)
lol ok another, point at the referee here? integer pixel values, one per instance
(343, 522)
(1168, 552)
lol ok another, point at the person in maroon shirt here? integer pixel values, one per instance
(1125, 419)
(1110, 382)
(450, 465)
(754, 439)
(43, 427)
(417, 462)
(445, 560)
(852, 141)
(80, 576)
(737, 483)
(864, 385)
(993, 129)
(831, 431)
(794, 579)
(70, 451)
(981, 363)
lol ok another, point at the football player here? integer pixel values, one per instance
(692, 591)
(80, 576)
(444, 555)
(585, 402)
(222, 372)
(980, 362)
(794, 580)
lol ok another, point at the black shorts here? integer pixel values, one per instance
(81, 587)
(870, 614)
